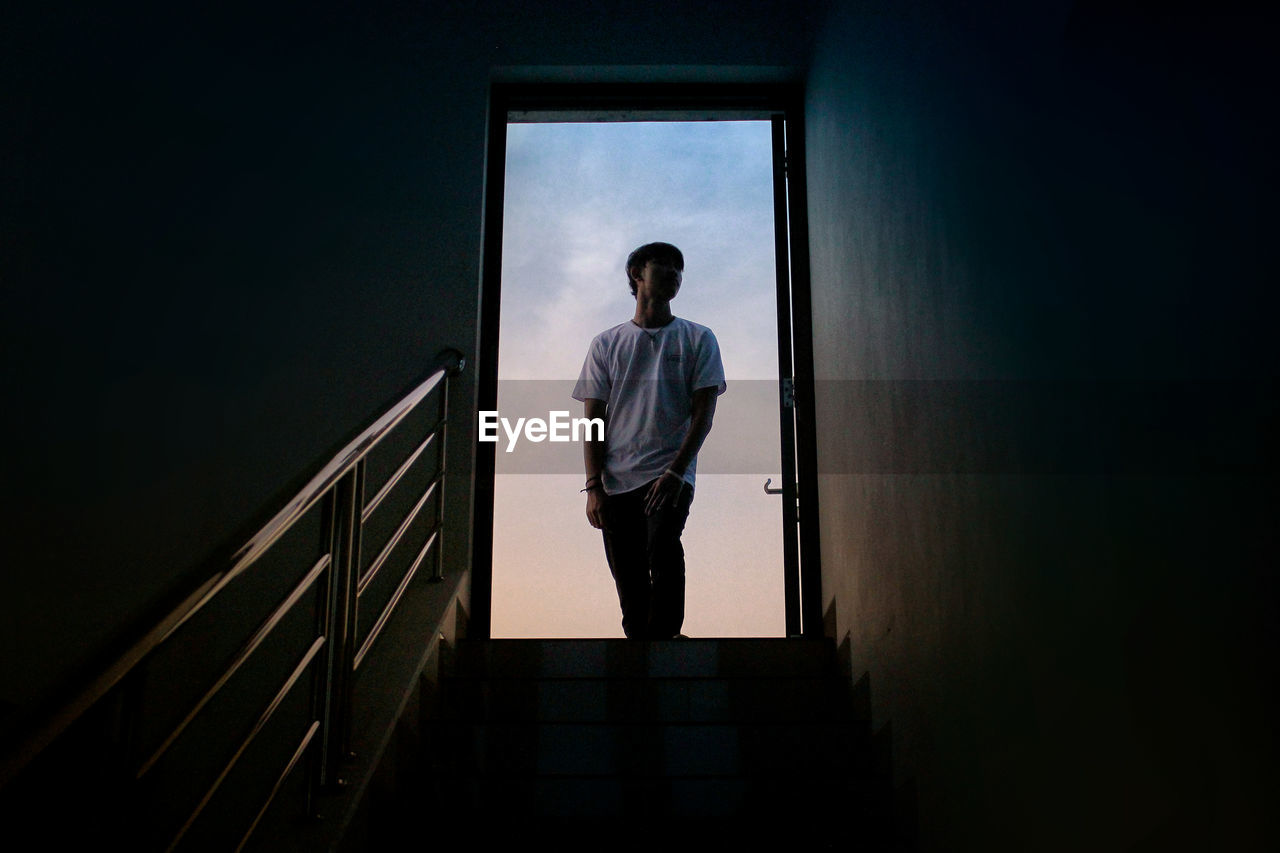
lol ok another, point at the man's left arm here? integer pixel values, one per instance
(702, 412)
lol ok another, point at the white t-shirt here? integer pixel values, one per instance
(647, 378)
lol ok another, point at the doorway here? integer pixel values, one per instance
(578, 188)
(578, 197)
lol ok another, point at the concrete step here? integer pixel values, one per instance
(568, 749)
(767, 824)
(654, 699)
(600, 797)
(690, 658)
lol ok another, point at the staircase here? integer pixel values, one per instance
(607, 744)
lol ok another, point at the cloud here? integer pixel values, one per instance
(579, 197)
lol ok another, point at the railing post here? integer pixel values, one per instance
(453, 362)
(437, 574)
(345, 536)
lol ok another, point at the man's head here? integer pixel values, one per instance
(663, 253)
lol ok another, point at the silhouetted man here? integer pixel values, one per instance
(654, 380)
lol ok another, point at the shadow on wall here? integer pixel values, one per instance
(898, 804)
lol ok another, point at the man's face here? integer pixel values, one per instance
(659, 279)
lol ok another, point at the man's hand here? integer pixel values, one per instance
(667, 487)
(664, 491)
(595, 508)
(593, 456)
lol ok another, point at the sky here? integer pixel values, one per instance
(579, 198)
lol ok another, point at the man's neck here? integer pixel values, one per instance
(650, 315)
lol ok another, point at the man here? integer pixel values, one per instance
(654, 381)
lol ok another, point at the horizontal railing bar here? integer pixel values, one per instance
(320, 484)
(253, 733)
(48, 731)
(395, 478)
(275, 789)
(241, 657)
(395, 600)
(381, 560)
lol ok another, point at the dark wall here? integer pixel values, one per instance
(232, 234)
(1043, 316)
(235, 242)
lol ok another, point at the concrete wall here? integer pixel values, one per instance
(1046, 409)
(232, 236)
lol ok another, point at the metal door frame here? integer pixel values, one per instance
(781, 104)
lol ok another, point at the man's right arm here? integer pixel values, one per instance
(593, 459)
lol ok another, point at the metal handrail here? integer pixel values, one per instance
(61, 718)
(258, 638)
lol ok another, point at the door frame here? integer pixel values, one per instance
(662, 101)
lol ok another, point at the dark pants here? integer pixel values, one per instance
(647, 561)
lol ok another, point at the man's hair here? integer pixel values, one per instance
(652, 252)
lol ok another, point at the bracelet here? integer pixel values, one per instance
(589, 488)
(674, 473)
